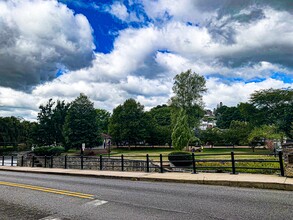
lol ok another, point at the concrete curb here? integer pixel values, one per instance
(280, 185)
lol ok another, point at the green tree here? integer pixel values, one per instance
(80, 123)
(181, 134)
(46, 131)
(103, 118)
(127, 123)
(51, 121)
(159, 125)
(27, 134)
(237, 133)
(225, 115)
(249, 113)
(276, 106)
(58, 118)
(188, 89)
(9, 131)
(265, 132)
(116, 126)
(212, 136)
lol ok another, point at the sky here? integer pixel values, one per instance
(115, 50)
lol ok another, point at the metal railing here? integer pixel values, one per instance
(232, 162)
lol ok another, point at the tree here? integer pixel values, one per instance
(9, 131)
(116, 126)
(276, 106)
(181, 134)
(212, 136)
(188, 89)
(225, 115)
(265, 132)
(28, 133)
(249, 113)
(58, 118)
(103, 118)
(159, 125)
(51, 121)
(237, 133)
(127, 123)
(80, 123)
(46, 127)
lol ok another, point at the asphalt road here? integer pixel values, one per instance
(23, 196)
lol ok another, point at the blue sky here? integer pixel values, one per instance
(114, 50)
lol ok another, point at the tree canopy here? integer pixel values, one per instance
(80, 123)
(188, 89)
(127, 123)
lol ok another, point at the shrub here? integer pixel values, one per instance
(179, 158)
(49, 151)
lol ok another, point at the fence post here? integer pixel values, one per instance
(122, 162)
(193, 164)
(101, 162)
(81, 162)
(3, 157)
(33, 163)
(65, 162)
(161, 164)
(51, 161)
(21, 161)
(233, 163)
(147, 163)
(281, 163)
(12, 160)
(45, 161)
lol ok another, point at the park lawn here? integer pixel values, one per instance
(207, 153)
(211, 154)
(141, 153)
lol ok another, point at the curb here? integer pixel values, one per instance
(242, 184)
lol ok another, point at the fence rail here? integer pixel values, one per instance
(233, 163)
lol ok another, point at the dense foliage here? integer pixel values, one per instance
(49, 151)
(181, 134)
(188, 89)
(80, 123)
(128, 123)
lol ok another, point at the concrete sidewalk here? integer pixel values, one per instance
(223, 179)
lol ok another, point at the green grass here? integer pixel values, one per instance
(211, 154)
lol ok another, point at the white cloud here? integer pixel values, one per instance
(236, 92)
(149, 88)
(39, 37)
(119, 10)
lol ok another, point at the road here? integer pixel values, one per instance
(38, 196)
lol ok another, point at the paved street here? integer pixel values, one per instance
(39, 196)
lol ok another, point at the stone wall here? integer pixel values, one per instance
(288, 159)
(89, 163)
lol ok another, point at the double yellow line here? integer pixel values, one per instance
(49, 190)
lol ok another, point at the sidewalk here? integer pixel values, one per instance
(223, 179)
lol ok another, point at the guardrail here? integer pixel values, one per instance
(232, 162)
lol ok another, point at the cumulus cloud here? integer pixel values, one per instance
(38, 38)
(234, 93)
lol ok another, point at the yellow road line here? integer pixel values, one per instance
(50, 190)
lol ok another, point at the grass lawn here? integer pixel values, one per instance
(212, 154)
(222, 153)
